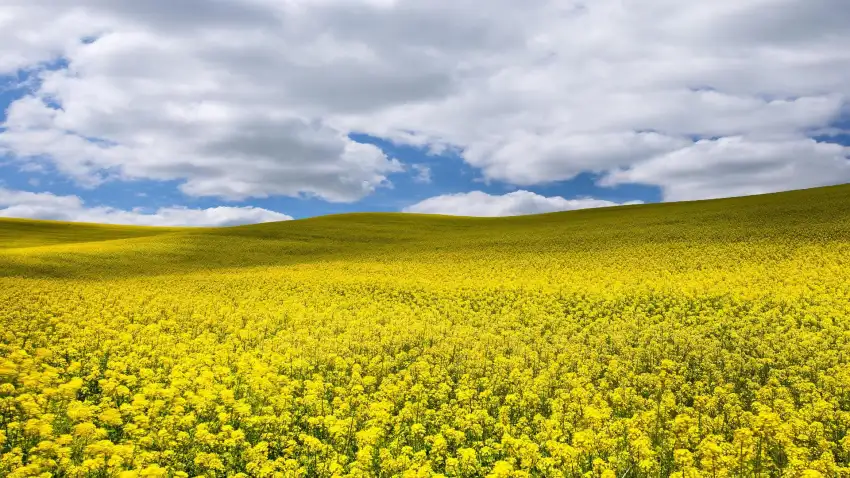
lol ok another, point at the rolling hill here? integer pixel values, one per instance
(707, 338)
(30, 248)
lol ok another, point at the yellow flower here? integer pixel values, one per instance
(78, 411)
(153, 471)
(111, 417)
(85, 430)
(501, 469)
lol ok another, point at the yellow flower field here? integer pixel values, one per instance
(692, 339)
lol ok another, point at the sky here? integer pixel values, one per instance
(216, 113)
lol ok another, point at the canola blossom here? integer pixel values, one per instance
(706, 339)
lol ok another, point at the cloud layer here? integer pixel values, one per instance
(255, 98)
(736, 166)
(24, 204)
(516, 203)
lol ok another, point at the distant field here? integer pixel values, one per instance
(706, 338)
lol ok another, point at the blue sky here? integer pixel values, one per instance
(109, 116)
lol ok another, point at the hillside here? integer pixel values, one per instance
(706, 338)
(27, 233)
(32, 248)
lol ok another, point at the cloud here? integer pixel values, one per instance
(253, 98)
(477, 203)
(525, 159)
(739, 166)
(25, 204)
(423, 173)
(221, 151)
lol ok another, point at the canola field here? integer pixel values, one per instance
(701, 339)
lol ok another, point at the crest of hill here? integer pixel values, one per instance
(809, 214)
(25, 233)
(33, 248)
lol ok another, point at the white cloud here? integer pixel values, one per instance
(224, 151)
(478, 203)
(31, 33)
(423, 173)
(25, 204)
(526, 159)
(739, 166)
(252, 98)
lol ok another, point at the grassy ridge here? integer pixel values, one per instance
(46, 248)
(25, 233)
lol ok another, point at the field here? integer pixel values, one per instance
(706, 338)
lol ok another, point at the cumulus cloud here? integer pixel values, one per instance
(253, 98)
(739, 166)
(25, 204)
(218, 150)
(516, 203)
